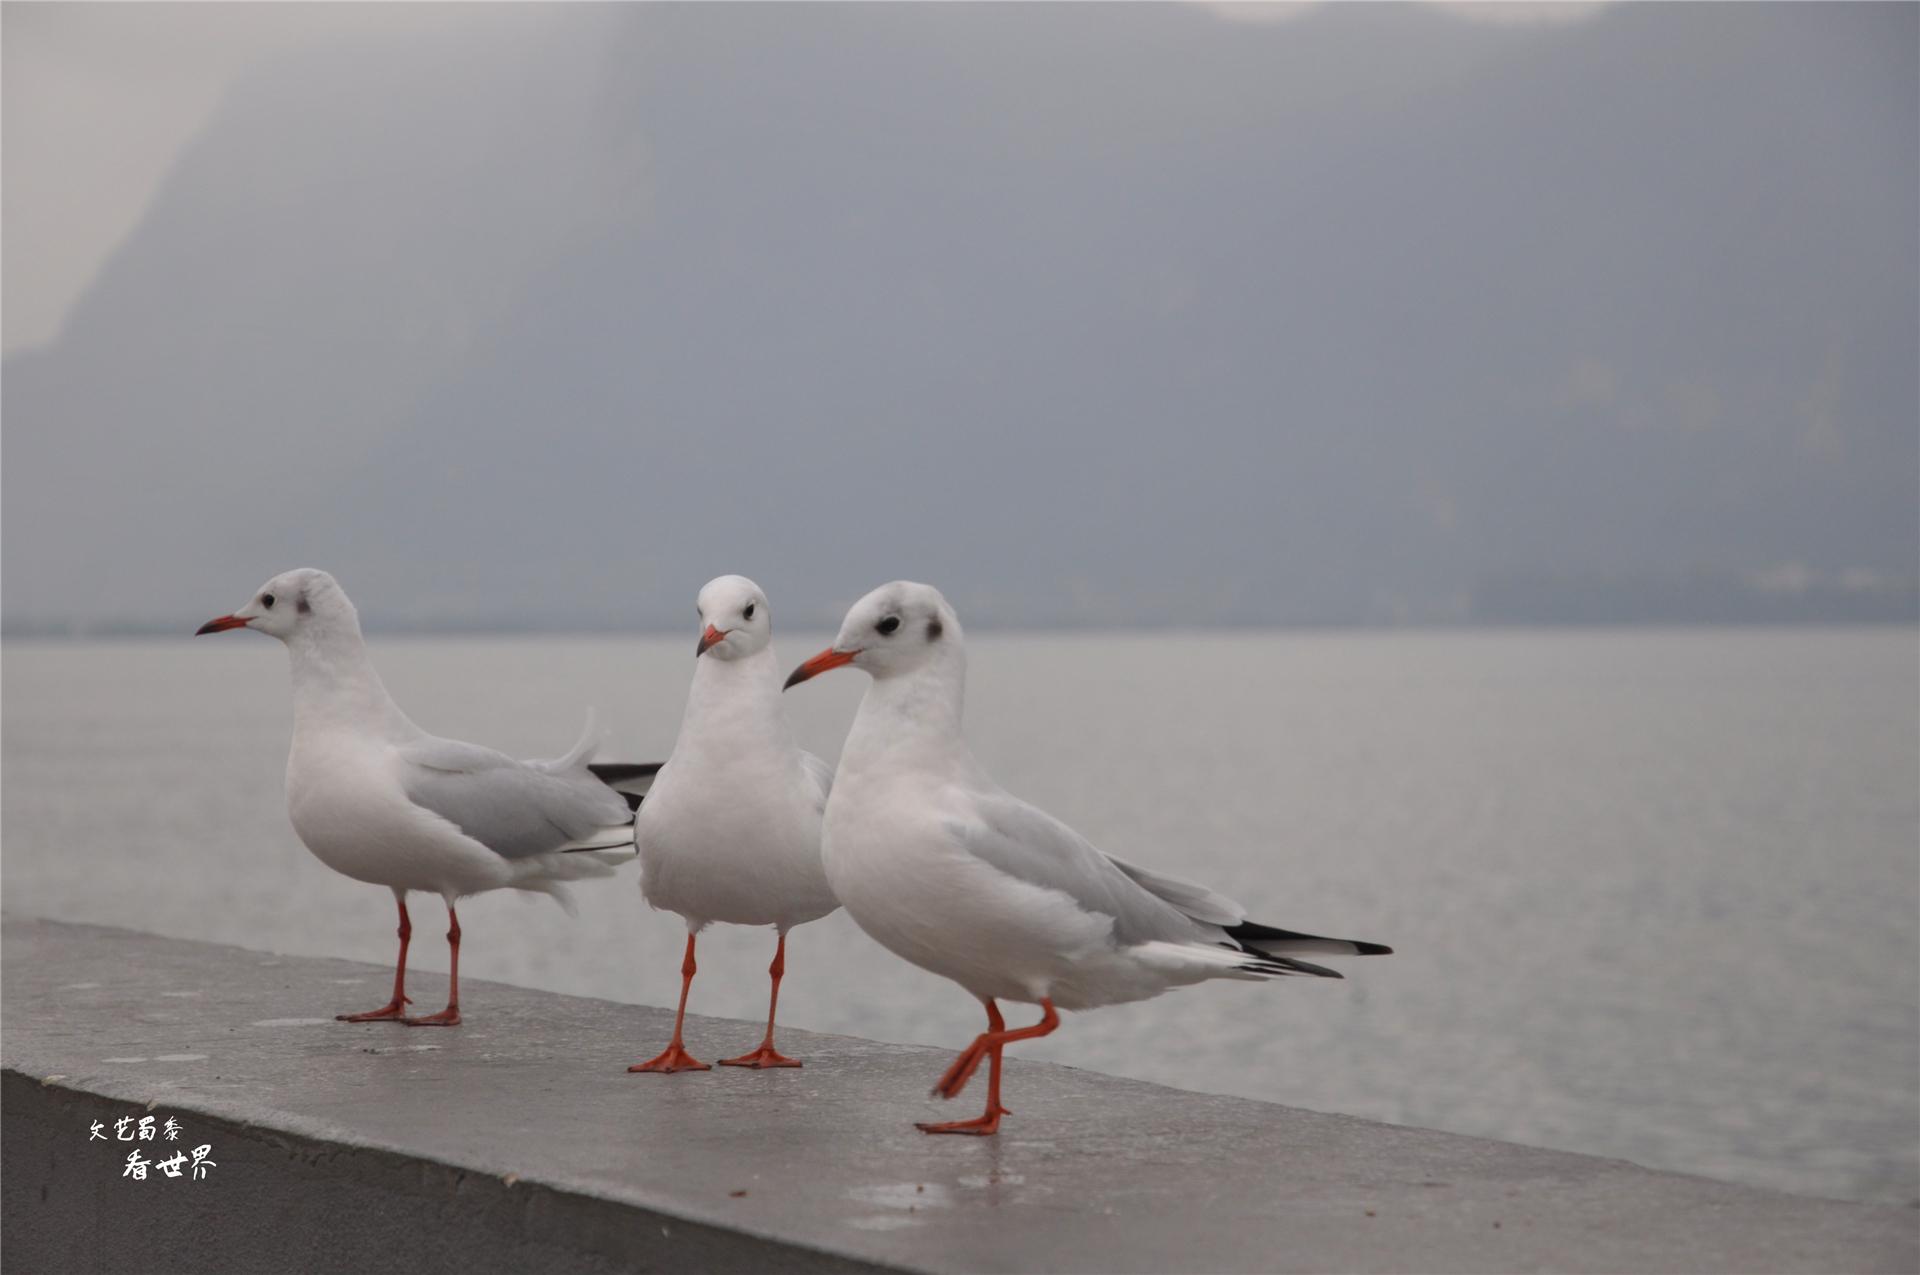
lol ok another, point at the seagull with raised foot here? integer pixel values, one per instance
(377, 799)
(731, 827)
(947, 869)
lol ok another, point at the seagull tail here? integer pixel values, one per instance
(617, 839)
(1192, 962)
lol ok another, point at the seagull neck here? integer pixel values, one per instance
(912, 719)
(335, 684)
(725, 692)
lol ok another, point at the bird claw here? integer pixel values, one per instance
(765, 1056)
(981, 1126)
(671, 1059)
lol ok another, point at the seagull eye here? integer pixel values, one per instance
(266, 600)
(888, 625)
(748, 613)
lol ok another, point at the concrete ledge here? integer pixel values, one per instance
(518, 1142)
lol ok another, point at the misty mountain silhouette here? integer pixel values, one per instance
(1128, 315)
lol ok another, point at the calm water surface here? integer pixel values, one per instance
(1654, 893)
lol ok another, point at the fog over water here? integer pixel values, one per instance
(1652, 892)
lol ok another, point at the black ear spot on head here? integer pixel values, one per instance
(934, 630)
(303, 606)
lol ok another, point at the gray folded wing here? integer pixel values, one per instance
(1197, 901)
(514, 808)
(1031, 845)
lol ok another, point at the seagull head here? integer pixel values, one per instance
(894, 630)
(293, 604)
(733, 619)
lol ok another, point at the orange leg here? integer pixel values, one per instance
(450, 1016)
(767, 1055)
(988, 1045)
(675, 1056)
(395, 1008)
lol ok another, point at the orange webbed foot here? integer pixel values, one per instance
(980, 1126)
(392, 1010)
(765, 1056)
(448, 1017)
(671, 1059)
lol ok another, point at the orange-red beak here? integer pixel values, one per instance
(220, 625)
(827, 659)
(712, 637)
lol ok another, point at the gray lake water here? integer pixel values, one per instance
(1654, 893)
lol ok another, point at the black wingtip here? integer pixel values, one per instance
(1288, 965)
(615, 772)
(617, 845)
(1252, 932)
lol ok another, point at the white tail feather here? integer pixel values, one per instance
(1198, 960)
(614, 837)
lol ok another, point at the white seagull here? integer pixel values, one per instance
(731, 827)
(947, 869)
(379, 800)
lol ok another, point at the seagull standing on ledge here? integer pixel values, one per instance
(379, 800)
(731, 829)
(948, 870)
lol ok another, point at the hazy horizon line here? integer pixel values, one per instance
(81, 634)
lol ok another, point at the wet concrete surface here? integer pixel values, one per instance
(519, 1141)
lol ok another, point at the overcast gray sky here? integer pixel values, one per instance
(100, 98)
(523, 314)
